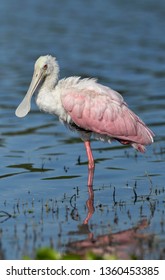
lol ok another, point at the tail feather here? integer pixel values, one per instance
(139, 147)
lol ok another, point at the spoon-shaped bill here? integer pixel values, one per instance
(24, 107)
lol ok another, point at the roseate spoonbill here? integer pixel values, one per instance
(85, 106)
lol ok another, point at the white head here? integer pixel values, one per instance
(45, 66)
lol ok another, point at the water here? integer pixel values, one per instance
(43, 177)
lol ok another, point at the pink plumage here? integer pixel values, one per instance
(101, 110)
(85, 106)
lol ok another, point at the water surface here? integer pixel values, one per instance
(43, 177)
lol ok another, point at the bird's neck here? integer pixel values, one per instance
(47, 99)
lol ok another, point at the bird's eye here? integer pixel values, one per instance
(45, 67)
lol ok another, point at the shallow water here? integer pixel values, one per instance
(43, 177)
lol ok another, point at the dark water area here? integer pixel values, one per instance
(43, 167)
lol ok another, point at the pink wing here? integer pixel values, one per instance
(105, 113)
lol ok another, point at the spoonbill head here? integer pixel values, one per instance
(44, 66)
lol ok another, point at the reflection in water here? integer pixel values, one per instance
(90, 204)
(4, 216)
(34, 215)
(123, 245)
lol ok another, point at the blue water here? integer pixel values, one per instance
(42, 185)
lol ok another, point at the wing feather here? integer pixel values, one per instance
(104, 112)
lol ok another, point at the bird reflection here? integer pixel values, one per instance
(90, 204)
(123, 244)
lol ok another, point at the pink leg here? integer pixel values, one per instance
(91, 164)
(90, 205)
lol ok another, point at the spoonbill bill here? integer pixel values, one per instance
(85, 106)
